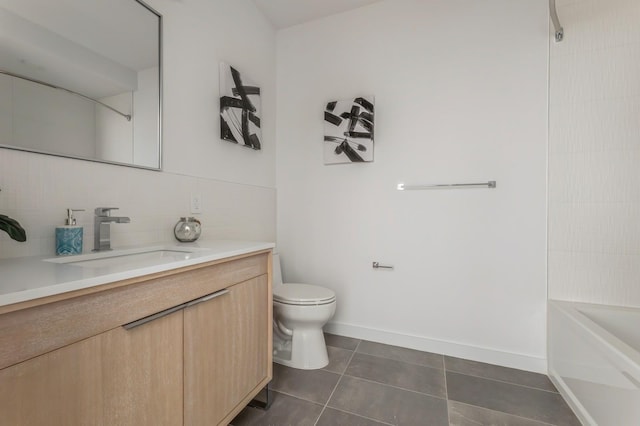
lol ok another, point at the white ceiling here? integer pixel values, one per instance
(286, 13)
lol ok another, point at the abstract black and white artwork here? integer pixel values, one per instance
(239, 109)
(348, 135)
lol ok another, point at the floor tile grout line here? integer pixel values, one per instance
(446, 385)
(337, 383)
(403, 362)
(387, 384)
(324, 407)
(446, 394)
(500, 381)
(497, 380)
(394, 387)
(297, 397)
(363, 417)
(407, 362)
(348, 361)
(503, 412)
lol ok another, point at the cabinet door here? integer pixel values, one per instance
(143, 373)
(227, 351)
(108, 379)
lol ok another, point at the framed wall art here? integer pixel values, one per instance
(348, 131)
(239, 109)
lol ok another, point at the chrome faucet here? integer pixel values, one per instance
(102, 227)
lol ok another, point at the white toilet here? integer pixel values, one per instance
(299, 313)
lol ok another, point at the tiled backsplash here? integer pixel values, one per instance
(37, 189)
(594, 152)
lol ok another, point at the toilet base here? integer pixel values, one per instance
(306, 350)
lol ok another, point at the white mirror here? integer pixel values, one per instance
(81, 79)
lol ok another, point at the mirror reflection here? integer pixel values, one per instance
(81, 79)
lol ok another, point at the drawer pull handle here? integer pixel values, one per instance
(142, 321)
(207, 298)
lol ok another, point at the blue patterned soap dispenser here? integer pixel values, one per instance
(69, 237)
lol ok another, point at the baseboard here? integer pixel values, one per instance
(459, 350)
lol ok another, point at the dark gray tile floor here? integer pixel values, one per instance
(369, 384)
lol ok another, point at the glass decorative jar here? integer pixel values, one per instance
(187, 229)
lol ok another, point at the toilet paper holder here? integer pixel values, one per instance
(377, 265)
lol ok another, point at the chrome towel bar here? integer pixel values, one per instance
(404, 187)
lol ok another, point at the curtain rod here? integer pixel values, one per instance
(127, 116)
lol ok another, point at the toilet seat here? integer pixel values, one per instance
(303, 294)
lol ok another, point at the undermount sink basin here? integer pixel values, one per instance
(132, 257)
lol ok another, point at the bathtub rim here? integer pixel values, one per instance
(603, 336)
(615, 350)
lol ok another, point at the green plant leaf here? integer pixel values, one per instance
(13, 228)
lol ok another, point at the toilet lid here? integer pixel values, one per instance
(303, 294)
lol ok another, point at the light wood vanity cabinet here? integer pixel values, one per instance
(199, 365)
(224, 343)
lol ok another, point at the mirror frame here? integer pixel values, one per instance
(160, 109)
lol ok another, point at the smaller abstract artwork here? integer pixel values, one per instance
(239, 109)
(348, 134)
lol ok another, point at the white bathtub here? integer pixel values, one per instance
(594, 361)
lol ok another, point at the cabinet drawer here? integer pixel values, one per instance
(33, 331)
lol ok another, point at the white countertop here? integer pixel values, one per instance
(30, 278)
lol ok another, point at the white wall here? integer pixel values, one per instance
(594, 152)
(145, 121)
(461, 96)
(135, 141)
(195, 43)
(236, 185)
(6, 110)
(114, 134)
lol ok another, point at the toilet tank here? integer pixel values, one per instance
(277, 272)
